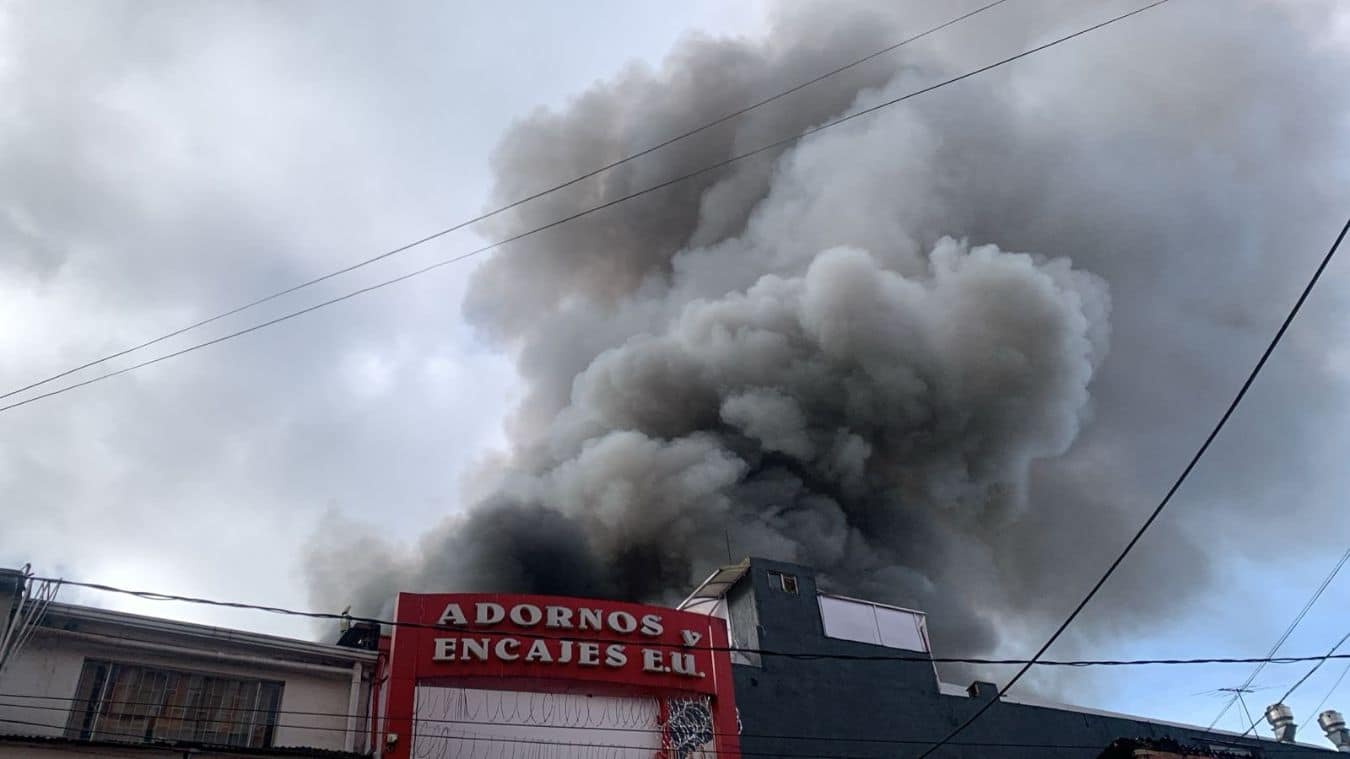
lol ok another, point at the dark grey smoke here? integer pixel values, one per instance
(840, 355)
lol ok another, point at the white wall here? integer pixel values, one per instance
(305, 692)
(469, 723)
(43, 669)
(50, 666)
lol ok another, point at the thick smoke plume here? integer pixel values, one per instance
(870, 352)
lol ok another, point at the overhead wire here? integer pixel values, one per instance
(802, 135)
(801, 655)
(18, 697)
(139, 739)
(1176, 485)
(421, 720)
(1301, 680)
(1344, 671)
(1293, 625)
(1026, 663)
(525, 741)
(733, 115)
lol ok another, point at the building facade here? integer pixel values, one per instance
(756, 662)
(854, 697)
(130, 685)
(495, 675)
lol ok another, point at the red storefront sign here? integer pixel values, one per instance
(553, 644)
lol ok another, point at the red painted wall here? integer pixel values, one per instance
(536, 643)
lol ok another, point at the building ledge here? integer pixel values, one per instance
(59, 615)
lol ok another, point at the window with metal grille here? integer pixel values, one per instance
(139, 704)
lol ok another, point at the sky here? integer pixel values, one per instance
(164, 162)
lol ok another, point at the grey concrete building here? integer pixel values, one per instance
(861, 707)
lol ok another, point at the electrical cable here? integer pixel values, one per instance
(1301, 680)
(807, 656)
(593, 209)
(714, 734)
(1287, 632)
(516, 203)
(447, 721)
(1318, 709)
(1176, 485)
(898, 741)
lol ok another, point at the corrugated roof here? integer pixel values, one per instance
(716, 586)
(58, 612)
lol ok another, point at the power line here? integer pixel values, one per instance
(594, 209)
(140, 738)
(438, 720)
(1223, 420)
(808, 656)
(516, 203)
(828, 739)
(1301, 680)
(1318, 709)
(1287, 632)
(445, 721)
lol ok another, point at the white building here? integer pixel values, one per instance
(77, 680)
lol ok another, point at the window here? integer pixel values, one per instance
(784, 582)
(138, 704)
(877, 624)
